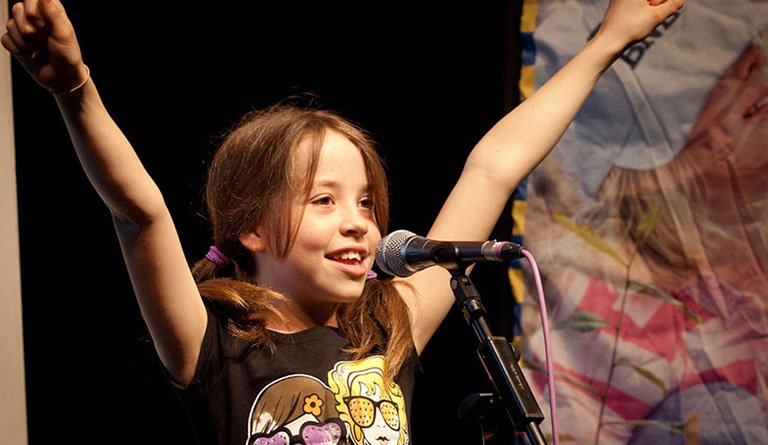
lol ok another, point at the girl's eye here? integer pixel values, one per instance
(366, 203)
(323, 200)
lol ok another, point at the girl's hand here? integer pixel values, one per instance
(41, 37)
(629, 21)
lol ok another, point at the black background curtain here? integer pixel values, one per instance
(427, 80)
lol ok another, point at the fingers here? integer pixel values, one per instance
(668, 7)
(32, 12)
(32, 21)
(26, 30)
(674, 5)
(23, 37)
(10, 45)
(41, 37)
(53, 14)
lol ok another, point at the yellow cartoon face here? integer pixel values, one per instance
(373, 409)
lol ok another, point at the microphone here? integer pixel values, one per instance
(403, 253)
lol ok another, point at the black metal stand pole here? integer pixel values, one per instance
(500, 361)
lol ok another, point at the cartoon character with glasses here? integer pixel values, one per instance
(296, 410)
(373, 410)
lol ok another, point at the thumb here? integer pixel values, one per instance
(669, 7)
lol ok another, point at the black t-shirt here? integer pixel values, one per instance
(304, 391)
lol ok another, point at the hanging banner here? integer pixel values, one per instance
(649, 223)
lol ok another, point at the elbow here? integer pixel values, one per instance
(493, 176)
(500, 165)
(140, 211)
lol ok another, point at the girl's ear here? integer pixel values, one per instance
(253, 241)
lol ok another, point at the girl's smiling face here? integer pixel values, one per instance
(337, 231)
(732, 124)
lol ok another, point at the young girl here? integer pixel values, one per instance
(297, 199)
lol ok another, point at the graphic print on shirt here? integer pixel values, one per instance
(373, 411)
(296, 409)
(357, 408)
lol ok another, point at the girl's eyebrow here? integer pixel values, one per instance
(335, 184)
(326, 183)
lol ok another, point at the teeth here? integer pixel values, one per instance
(350, 256)
(763, 102)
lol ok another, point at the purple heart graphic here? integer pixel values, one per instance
(279, 438)
(328, 433)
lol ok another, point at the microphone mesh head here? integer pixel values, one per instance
(390, 256)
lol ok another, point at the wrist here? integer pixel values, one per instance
(86, 78)
(609, 47)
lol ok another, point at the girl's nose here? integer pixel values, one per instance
(354, 223)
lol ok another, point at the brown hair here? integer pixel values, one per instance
(672, 196)
(251, 183)
(283, 401)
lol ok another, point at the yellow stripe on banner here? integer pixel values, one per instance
(526, 85)
(516, 282)
(516, 273)
(527, 81)
(528, 16)
(518, 217)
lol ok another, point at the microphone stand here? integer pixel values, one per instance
(499, 358)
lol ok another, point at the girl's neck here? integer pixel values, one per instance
(298, 317)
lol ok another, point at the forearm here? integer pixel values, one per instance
(108, 159)
(164, 287)
(505, 155)
(527, 134)
(517, 144)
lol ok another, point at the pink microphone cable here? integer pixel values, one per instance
(547, 344)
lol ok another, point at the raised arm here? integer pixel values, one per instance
(518, 143)
(41, 37)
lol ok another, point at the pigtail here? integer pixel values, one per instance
(379, 319)
(245, 305)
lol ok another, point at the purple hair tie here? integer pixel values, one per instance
(216, 257)
(371, 275)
